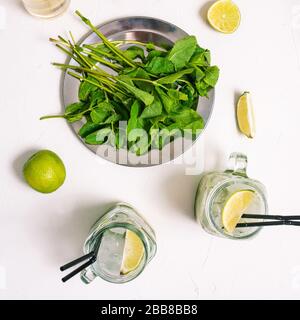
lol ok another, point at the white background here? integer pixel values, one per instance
(38, 233)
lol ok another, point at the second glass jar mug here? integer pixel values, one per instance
(215, 188)
(106, 239)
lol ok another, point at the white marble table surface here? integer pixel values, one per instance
(39, 232)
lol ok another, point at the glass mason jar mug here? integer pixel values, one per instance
(123, 244)
(214, 190)
(46, 8)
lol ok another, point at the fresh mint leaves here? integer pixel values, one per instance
(155, 90)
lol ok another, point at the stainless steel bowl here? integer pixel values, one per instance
(142, 29)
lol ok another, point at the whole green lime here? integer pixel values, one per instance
(44, 171)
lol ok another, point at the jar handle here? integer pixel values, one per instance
(87, 275)
(238, 164)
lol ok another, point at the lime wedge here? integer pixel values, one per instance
(133, 252)
(245, 115)
(235, 207)
(224, 16)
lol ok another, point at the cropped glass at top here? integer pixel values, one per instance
(215, 188)
(46, 8)
(107, 239)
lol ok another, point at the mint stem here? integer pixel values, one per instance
(52, 116)
(113, 48)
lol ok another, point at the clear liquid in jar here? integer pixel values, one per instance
(46, 8)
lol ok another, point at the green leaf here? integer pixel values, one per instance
(74, 117)
(175, 76)
(122, 108)
(88, 128)
(160, 65)
(185, 117)
(154, 135)
(86, 88)
(207, 56)
(146, 97)
(112, 119)
(106, 105)
(212, 75)
(202, 88)
(192, 95)
(98, 115)
(177, 95)
(120, 97)
(134, 52)
(155, 53)
(74, 108)
(139, 141)
(137, 73)
(75, 111)
(153, 110)
(120, 139)
(201, 57)
(135, 131)
(182, 51)
(199, 73)
(134, 114)
(172, 131)
(206, 83)
(101, 112)
(142, 74)
(195, 126)
(160, 137)
(170, 104)
(96, 96)
(99, 137)
(126, 78)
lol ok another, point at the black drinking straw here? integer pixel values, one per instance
(279, 220)
(92, 259)
(270, 217)
(268, 223)
(76, 261)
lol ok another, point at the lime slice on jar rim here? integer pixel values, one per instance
(235, 207)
